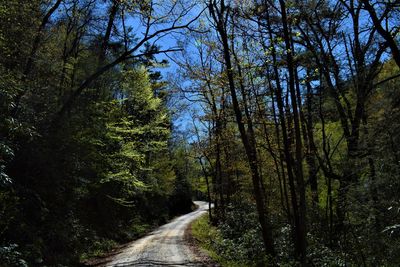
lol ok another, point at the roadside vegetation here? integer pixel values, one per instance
(89, 157)
(225, 250)
(298, 131)
(284, 114)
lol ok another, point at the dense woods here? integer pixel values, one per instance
(300, 107)
(89, 156)
(291, 113)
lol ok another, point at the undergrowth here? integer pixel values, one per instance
(222, 250)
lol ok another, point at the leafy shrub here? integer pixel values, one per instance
(98, 248)
(11, 257)
(237, 240)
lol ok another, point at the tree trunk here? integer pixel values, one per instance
(248, 140)
(300, 222)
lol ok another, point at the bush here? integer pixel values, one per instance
(11, 257)
(244, 249)
(98, 248)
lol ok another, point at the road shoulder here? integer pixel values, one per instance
(199, 252)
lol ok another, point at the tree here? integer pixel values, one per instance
(219, 15)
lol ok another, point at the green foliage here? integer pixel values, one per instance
(244, 249)
(181, 196)
(98, 248)
(18, 27)
(236, 241)
(10, 257)
(329, 163)
(89, 161)
(208, 238)
(72, 186)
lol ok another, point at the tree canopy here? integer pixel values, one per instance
(290, 113)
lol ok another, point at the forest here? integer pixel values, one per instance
(285, 115)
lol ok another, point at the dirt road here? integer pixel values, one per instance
(162, 247)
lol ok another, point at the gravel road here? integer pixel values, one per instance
(162, 247)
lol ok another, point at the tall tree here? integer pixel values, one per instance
(220, 14)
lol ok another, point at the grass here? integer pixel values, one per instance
(208, 238)
(99, 248)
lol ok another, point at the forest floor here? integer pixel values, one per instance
(169, 245)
